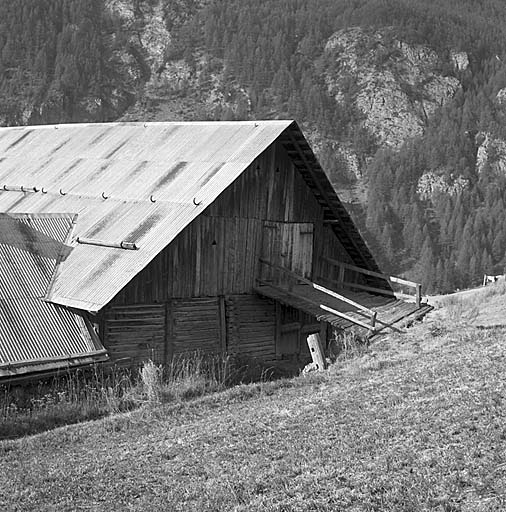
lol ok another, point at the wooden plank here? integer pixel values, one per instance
(304, 301)
(223, 324)
(379, 290)
(315, 349)
(371, 273)
(320, 288)
(343, 299)
(347, 317)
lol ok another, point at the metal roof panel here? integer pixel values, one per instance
(32, 330)
(138, 182)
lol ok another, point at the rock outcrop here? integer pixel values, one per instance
(396, 86)
(501, 97)
(431, 184)
(491, 154)
(460, 60)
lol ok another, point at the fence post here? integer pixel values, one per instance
(418, 295)
(315, 347)
(373, 321)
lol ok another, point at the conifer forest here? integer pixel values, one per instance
(431, 206)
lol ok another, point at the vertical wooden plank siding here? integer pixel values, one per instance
(288, 245)
(192, 266)
(173, 305)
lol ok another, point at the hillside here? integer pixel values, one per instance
(402, 100)
(416, 422)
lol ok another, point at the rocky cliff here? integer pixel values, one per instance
(395, 86)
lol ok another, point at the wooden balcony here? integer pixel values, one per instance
(369, 308)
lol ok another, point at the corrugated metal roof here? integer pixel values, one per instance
(142, 183)
(157, 177)
(32, 330)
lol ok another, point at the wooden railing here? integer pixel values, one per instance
(279, 274)
(341, 282)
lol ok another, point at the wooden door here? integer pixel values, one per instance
(289, 245)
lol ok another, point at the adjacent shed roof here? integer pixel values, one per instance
(35, 334)
(134, 182)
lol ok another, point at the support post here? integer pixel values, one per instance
(315, 348)
(418, 295)
(223, 324)
(169, 332)
(373, 321)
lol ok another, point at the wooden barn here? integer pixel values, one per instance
(129, 241)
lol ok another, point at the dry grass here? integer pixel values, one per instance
(483, 307)
(71, 398)
(415, 423)
(92, 394)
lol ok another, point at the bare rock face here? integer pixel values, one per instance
(176, 88)
(155, 38)
(351, 160)
(460, 60)
(148, 37)
(501, 97)
(396, 86)
(491, 154)
(431, 184)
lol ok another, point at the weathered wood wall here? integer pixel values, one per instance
(217, 256)
(135, 333)
(251, 326)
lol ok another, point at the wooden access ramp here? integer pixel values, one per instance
(370, 313)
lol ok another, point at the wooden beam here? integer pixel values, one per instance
(371, 273)
(313, 303)
(315, 348)
(318, 287)
(387, 293)
(169, 331)
(346, 317)
(343, 298)
(223, 324)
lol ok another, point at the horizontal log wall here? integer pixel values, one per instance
(251, 326)
(196, 326)
(237, 324)
(135, 333)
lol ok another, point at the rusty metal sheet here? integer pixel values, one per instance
(33, 330)
(139, 182)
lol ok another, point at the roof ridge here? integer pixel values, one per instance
(147, 124)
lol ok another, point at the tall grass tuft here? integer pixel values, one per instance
(347, 345)
(151, 379)
(195, 374)
(94, 393)
(69, 398)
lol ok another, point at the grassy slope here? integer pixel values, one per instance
(418, 423)
(481, 307)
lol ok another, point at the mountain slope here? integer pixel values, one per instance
(415, 423)
(403, 100)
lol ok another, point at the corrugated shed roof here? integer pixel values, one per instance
(32, 331)
(157, 177)
(136, 182)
